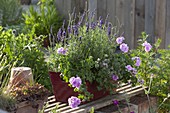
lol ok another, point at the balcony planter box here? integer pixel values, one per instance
(62, 91)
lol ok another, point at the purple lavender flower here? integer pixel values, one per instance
(109, 30)
(87, 26)
(75, 28)
(59, 34)
(115, 102)
(93, 25)
(74, 101)
(124, 47)
(147, 46)
(64, 33)
(138, 61)
(61, 50)
(69, 30)
(132, 112)
(101, 22)
(75, 82)
(115, 77)
(129, 67)
(119, 40)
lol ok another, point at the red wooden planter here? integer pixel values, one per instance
(62, 91)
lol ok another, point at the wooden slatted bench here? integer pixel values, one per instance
(124, 91)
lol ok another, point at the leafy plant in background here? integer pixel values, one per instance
(10, 12)
(25, 51)
(43, 19)
(7, 102)
(153, 71)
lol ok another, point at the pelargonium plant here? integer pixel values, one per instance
(90, 51)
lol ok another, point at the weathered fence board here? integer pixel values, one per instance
(160, 20)
(111, 10)
(167, 40)
(139, 19)
(120, 16)
(130, 16)
(129, 21)
(150, 17)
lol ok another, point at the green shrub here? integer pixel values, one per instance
(25, 51)
(154, 71)
(10, 12)
(42, 19)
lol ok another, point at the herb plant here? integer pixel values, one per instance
(42, 20)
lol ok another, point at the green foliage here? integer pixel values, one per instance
(10, 12)
(43, 19)
(7, 102)
(23, 50)
(91, 55)
(155, 71)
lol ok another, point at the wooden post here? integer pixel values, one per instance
(20, 76)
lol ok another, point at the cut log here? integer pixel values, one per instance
(20, 76)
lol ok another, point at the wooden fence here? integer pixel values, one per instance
(130, 16)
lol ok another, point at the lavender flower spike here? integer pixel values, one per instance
(74, 101)
(69, 30)
(109, 29)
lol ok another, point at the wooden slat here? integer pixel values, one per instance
(167, 40)
(129, 12)
(123, 92)
(111, 10)
(150, 19)
(123, 88)
(139, 19)
(120, 16)
(101, 8)
(160, 22)
(92, 5)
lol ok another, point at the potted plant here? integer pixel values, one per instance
(88, 53)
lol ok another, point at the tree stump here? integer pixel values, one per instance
(20, 76)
